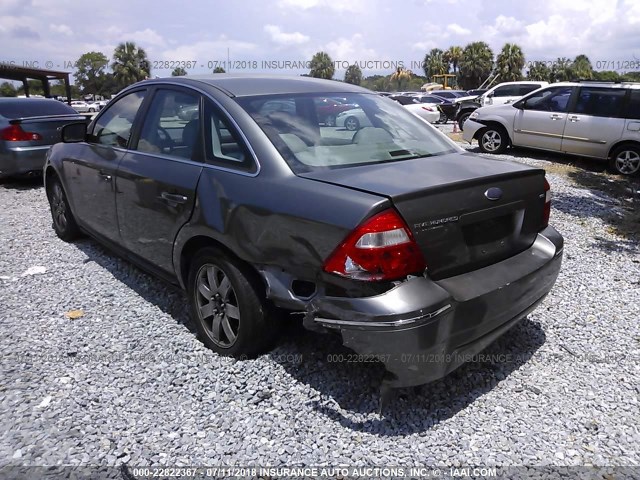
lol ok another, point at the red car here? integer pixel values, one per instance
(329, 108)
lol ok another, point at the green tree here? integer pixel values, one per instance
(130, 64)
(539, 71)
(510, 62)
(453, 56)
(322, 66)
(353, 75)
(8, 90)
(90, 71)
(178, 72)
(562, 70)
(434, 63)
(476, 65)
(582, 68)
(219, 70)
(401, 77)
(607, 76)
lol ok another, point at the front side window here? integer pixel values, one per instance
(373, 130)
(549, 100)
(113, 127)
(600, 102)
(172, 124)
(507, 91)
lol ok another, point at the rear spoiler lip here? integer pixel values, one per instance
(48, 118)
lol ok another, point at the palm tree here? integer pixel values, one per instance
(219, 70)
(353, 75)
(510, 63)
(582, 68)
(476, 64)
(539, 71)
(561, 70)
(178, 72)
(400, 75)
(434, 63)
(453, 56)
(322, 66)
(130, 64)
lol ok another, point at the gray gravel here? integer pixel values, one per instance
(128, 382)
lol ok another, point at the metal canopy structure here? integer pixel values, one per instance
(23, 74)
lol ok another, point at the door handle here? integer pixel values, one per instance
(173, 198)
(555, 116)
(574, 119)
(104, 176)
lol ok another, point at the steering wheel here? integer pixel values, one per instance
(165, 139)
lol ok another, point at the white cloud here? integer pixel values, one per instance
(282, 38)
(145, 37)
(61, 28)
(339, 6)
(352, 49)
(209, 50)
(457, 29)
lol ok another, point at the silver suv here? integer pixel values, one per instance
(592, 119)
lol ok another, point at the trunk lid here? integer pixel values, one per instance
(464, 211)
(47, 126)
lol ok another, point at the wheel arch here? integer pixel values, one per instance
(622, 143)
(494, 124)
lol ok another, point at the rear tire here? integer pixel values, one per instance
(64, 223)
(443, 118)
(492, 140)
(625, 160)
(228, 306)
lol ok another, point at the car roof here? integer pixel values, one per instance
(594, 83)
(241, 85)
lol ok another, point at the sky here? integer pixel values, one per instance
(278, 36)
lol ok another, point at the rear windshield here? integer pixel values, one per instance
(26, 107)
(319, 131)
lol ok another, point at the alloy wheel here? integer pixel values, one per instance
(491, 141)
(59, 207)
(217, 305)
(627, 162)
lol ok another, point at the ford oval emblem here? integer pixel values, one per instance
(494, 193)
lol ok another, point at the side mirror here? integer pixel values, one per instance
(74, 132)
(519, 104)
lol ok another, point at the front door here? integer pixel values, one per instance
(92, 166)
(540, 122)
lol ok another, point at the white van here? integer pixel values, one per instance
(508, 92)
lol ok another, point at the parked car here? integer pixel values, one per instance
(427, 112)
(28, 127)
(80, 106)
(476, 92)
(96, 105)
(353, 119)
(450, 94)
(445, 106)
(597, 120)
(392, 237)
(508, 92)
(329, 108)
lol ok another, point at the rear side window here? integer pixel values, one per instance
(507, 91)
(633, 107)
(113, 127)
(26, 107)
(600, 102)
(224, 146)
(524, 89)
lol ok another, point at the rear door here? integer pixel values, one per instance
(540, 121)
(90, 168)
(595, 122)
(157, 178)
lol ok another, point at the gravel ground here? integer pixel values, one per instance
(128, 382)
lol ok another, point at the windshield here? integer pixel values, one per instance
(318, 131)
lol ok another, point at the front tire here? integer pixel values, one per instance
(463, 118)
(64, 223)
(352, 124)
(228, 306)
(492, 140)
(443, 118)
(625, 160)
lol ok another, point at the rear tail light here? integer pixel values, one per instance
(430, 109)
(381, 248)
(15, 133)
(547, 204)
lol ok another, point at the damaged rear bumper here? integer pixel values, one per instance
(422, 329)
